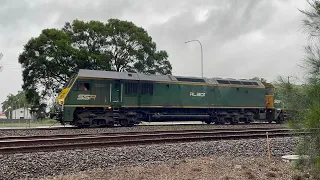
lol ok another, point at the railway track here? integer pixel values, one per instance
(140, 125)
(132, 132)
(52, 143)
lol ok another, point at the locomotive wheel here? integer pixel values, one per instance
(233, 122)
(208, 121)
(214, 119)
(124, 122)
(110, 124)
(280, 118)
(220, 122)
(247, 121)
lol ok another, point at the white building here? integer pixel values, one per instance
(3, 116)
(22, 113)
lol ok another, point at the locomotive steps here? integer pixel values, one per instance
(22, 144)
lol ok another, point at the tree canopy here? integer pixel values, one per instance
(304, 100)
(50, 59)
(14, 102)
(259, 79)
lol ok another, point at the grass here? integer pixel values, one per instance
(211, 167)
(46, 122)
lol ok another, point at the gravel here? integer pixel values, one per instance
(210, 167)
(39, 165)
(26, 132)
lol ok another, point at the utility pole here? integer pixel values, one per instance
(289, 79)
(15, 111)
(1, 67)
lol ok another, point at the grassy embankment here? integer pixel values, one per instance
(46, 122)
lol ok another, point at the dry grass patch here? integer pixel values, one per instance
(205, 168)
(271, 174)
(249, 175)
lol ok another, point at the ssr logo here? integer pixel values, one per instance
(86, 97)
(197, 94)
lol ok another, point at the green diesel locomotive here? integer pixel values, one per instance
(94, 98)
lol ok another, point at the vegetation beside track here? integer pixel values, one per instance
(211, 167)
(47, 122)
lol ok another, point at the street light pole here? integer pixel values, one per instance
(288, 79)
(201, 55)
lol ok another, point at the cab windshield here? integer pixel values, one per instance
(270, 91)
(70, 82)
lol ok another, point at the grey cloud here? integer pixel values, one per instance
(241, 39)
(225, 23)
(228, 24)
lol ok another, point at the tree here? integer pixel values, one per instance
(292, 96)
(47, 62)
(14, 102)
(309, 119)
(259, 79)
(311, 23)
(50, 59)
(19, 100)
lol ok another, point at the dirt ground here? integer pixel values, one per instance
(224, 168)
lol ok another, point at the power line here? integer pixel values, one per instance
(6, 66)
(9, 66)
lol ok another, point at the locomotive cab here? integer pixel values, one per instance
(269, 95)
(60, 100)
(64, 92)
(272, 114)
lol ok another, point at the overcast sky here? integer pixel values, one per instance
(240, 38)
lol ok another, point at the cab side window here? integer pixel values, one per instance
(82, 86)
(86, 86)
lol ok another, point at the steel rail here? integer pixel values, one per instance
(120, 140)
(139, 125)
(133, 132)
(26, 149)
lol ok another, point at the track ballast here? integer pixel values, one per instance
(80, 141)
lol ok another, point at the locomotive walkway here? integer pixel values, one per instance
(22, 144)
